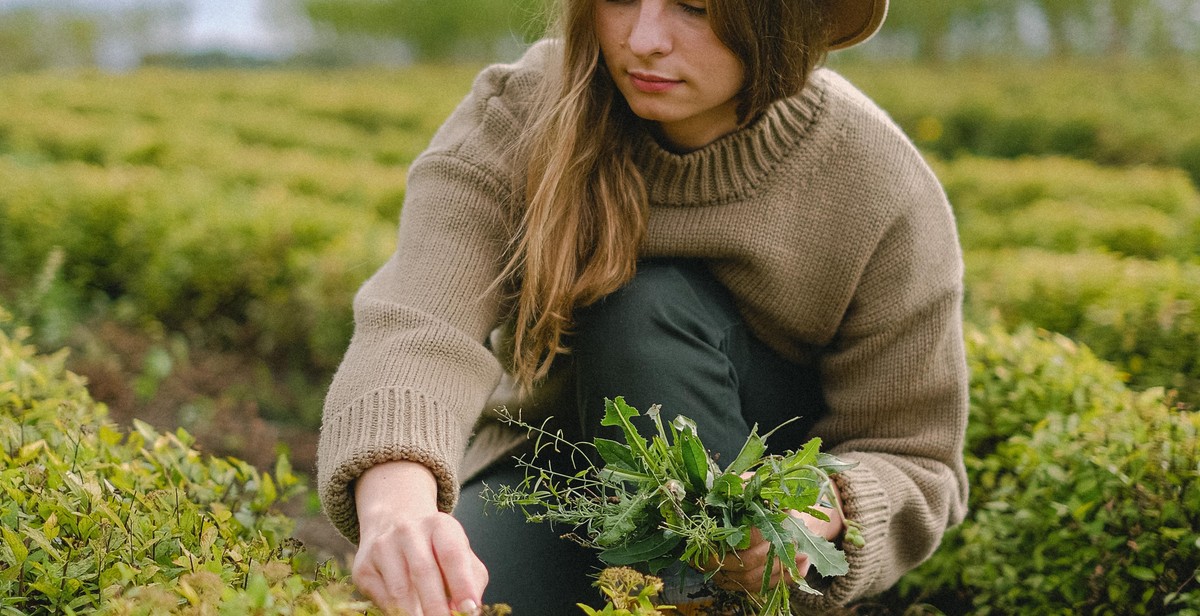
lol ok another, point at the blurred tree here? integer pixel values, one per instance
(1124, 13)
(435, 29)
(1060, 15)
(931, 23)
(72, 34)
(1156, 28)
(30, 40)
(1173, 30)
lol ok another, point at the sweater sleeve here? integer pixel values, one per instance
(417, 372)
(895, 381)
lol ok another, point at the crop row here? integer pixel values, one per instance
(1112, 113)
(242, 210)
(96, 520)
(1068, 205)
(1085, 499)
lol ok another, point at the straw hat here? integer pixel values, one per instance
(854, 21)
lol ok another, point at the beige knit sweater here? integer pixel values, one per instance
(820, 217)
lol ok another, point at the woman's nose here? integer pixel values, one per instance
(649, 34)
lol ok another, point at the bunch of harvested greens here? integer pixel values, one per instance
(660, 501)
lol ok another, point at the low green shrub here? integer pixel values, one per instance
(1144, 114)
(1066, 205)
(436, 31)
(1092, 513)
(1189, 160)
(1142, 315)
(240, 209)
(1093, 508)
(267, 270)
(1018, 379)
(96, 520)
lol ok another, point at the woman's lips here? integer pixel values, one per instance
(648, 82)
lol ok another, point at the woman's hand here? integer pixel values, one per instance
(412, 557)
(744, 569)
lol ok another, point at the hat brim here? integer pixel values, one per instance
(854, 21)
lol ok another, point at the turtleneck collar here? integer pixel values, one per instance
(732, 167)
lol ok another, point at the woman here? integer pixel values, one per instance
(674, 194)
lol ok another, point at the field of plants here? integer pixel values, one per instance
(195, 238)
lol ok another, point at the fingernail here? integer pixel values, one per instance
(469, 607)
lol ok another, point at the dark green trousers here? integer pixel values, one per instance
(672, 337)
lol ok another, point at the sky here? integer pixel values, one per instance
(240, 25)
(236, 26)
(227, 23)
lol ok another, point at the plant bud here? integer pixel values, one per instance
(675, 489)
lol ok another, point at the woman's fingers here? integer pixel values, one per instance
(425, 575)
(464, 574)
(744, 570)
(421, 567)
(381, 572)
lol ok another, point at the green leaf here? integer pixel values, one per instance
(832, 464)
(695, 461)
(37, 537)
(651, 547)
(14, 542)
(615, 454)
(725, 490)
(267, 494)
(624, 522)
(751, 452)
(805, 456)
(617, 413)
(46, 588)
(729, 485)
(824, 556)
(738, 539)
(614, 475)
(1144, 574)
(772, 527)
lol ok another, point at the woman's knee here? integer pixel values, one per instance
(665, 300)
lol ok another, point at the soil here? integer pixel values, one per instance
(200, 394)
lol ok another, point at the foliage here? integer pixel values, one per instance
(240, 210)
(1114, 28)
(65, 34)
(1092, 508)
(629, 593)
(930, 24)
(1019, 378)
(92, 519)
(436, 30)
(657, 502)
(1109, 113)
(1142, 315)
(1066, 205)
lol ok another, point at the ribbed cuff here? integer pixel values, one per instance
(864, 501)
(382, 426)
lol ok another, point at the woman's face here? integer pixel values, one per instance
(671, 67)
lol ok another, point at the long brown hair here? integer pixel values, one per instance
(586, 207)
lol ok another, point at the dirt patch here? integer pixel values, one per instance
(208, 393)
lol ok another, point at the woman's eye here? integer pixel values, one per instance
(694, 9)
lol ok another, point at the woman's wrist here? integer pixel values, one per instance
(399, 487)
